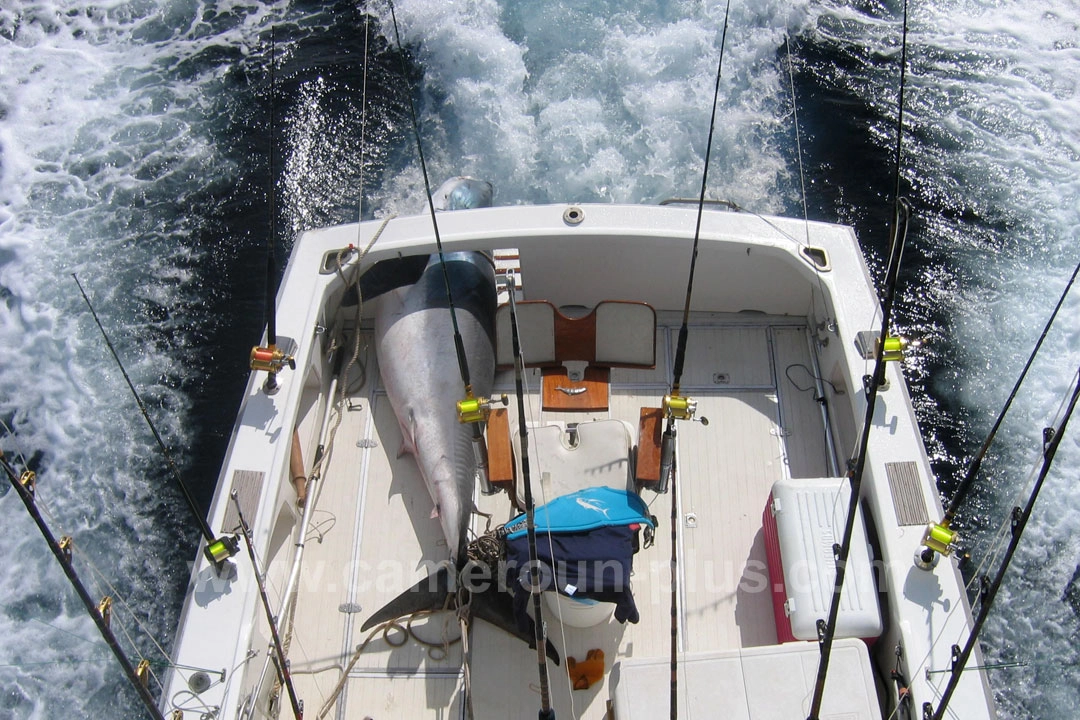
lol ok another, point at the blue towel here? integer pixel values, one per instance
(587, 509)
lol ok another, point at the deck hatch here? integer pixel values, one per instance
(247, 484)
(908, 500)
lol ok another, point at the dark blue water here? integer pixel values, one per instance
(136, 150)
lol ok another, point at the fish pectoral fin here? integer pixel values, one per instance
(435, 512)
(431, 593)
(497, 608)
(408, 442)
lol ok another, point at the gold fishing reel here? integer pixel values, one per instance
(272, 360)
(477, 409)
(677, 407)
(892, 350)
(939, 540)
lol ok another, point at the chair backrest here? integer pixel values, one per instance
(617, 333)
(600, 457)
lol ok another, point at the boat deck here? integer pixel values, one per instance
(374, 534)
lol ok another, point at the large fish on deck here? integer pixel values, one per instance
(414, 342)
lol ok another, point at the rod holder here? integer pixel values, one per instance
(667, 457)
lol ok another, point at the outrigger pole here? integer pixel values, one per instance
(217, 550)
(1051, 441)
(99, 613)
(539, 631)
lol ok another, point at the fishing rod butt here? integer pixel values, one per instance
(475, 410)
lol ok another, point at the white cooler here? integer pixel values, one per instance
(802, 521)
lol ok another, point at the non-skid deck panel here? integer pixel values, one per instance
(324, 606)
(400, 542)
(726, 357)
(247, 484)
(802, 427)
(907, 494)
(725, 471)
(403, 696)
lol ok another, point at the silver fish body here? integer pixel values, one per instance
(414, 336)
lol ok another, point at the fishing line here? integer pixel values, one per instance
(798, 139)
(15, 440)
(527, 404)
(99, 578)
(680, 354)
(280, 661)
(363, 129)
(539, 636)
(271, 290)
(673, 403)
(1020, 517)
(204, 528)
(24, 487)
(998, 542)
(976, 463)
(802, 180)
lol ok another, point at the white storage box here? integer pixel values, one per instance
(802, 521)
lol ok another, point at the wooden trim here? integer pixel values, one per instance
(648, 449)
(590, 394)
(500, 452)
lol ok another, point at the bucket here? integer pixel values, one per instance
(578, 612)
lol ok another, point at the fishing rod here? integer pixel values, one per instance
(270, 357)
(100, 613)
(887, 349)
(280, 663)
(546, 711)
(218, 549)
(676, 407)
(885, 353)
(471, 410)
(940, 537)
(1051, 440)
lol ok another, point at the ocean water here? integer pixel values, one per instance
(136, 151)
